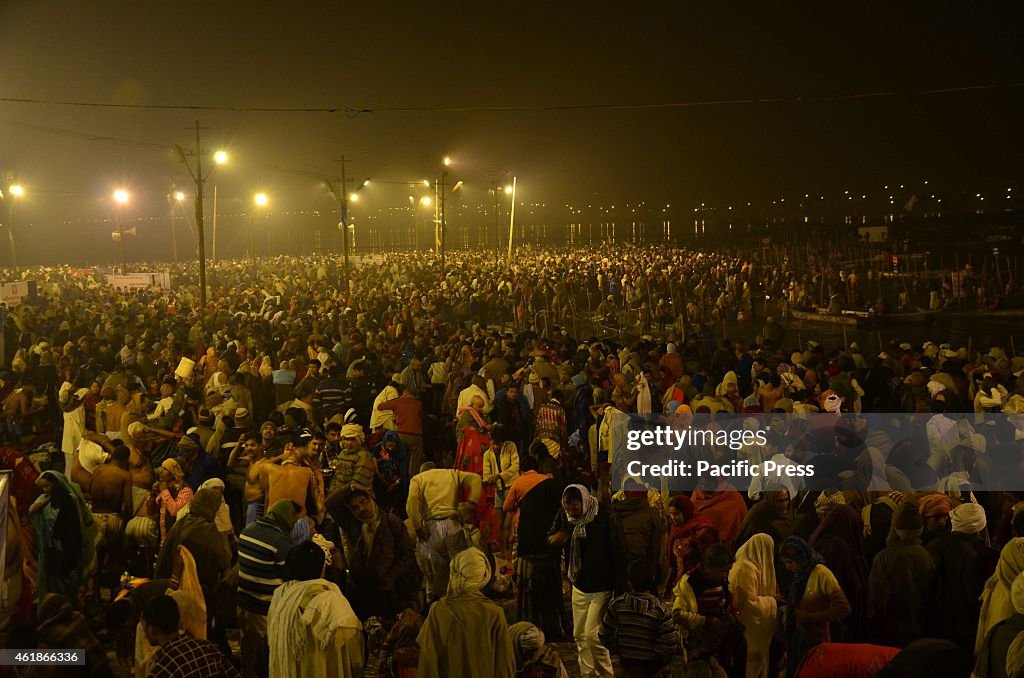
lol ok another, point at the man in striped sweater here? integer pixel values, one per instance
(638, 627)
(262, 549)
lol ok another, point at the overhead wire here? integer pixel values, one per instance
(352, 111)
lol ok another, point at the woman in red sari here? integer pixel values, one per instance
(688, 537)
(720, 503)
(472, 433)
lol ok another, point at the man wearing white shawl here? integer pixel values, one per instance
(752, 581)
(311, 628)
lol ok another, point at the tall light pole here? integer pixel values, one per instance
(261, 201)
(425, 201)
(219, 158)
(120, 198)
(174, 197)
(496, 192)
(14, 191)
(338, 188)
(442, 222)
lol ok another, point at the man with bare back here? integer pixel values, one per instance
(142, 529)
(292, 479)
(111, 493)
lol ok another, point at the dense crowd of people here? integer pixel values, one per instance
(415, 473)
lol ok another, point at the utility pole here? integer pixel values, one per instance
(443, 224)
(200, 180)
(11, 191)
(339, 189)
(494, 195)
(220, 157)
(120, 239)
(171, 199)
(343, 194)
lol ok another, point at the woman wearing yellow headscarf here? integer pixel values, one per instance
(996, 601)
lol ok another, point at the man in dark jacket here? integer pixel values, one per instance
(962, 565)
(901, 578)
(383, 576)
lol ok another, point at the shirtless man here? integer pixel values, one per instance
(18, 411)
(252, 456)
(111, 507)
(292, 479)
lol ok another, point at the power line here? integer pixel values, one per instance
(354, 111)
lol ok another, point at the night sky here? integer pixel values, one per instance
(379, 55)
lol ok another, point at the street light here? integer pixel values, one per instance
(508, 190)
(175, 197)
(121, 197)
(219, 158)
(261, 201)
(441, 222)
(13, 191)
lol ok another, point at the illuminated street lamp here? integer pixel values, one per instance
(441, 220)
(261, 201)
(174, 199)
(121, 197)
(13, 191)
(220, 157)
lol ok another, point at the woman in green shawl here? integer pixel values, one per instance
(65, 536)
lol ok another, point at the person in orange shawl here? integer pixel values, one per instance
(720, 503)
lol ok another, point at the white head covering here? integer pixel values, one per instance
(759, 551)
(470, 572)
(968, 519)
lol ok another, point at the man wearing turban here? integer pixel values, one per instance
(962, 565)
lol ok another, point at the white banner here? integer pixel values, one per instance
(140, 281)
(11, 293)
